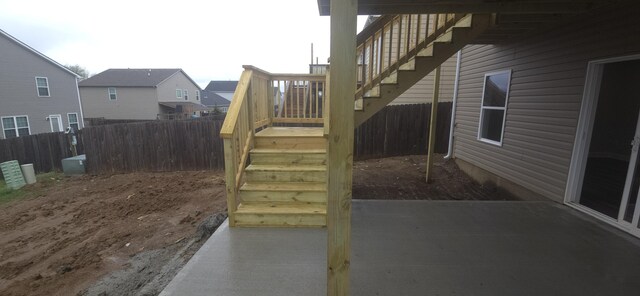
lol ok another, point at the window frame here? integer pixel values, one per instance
(59, 116)
(115, 93)
(15, 124)
(69, 123)
(197, 95)
(179, 93)
(38, 87)
(185, 93)
(503, 109)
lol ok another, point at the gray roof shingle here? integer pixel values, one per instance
(129, 77)
(222, 86)
(212, 99)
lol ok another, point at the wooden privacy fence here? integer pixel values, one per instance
(45, 151)
(402, 130)
(162, 145)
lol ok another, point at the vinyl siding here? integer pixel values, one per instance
(131, 103)
(18, 93)
(547, 82)
(422, 91)
(167, 89)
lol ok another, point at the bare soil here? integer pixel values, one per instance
(65, 235)
(129, 234)
(404, 177)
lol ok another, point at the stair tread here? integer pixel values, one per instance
(286, 168)
(284, 186)
(288, 151)
(282, 208)
(303, 132)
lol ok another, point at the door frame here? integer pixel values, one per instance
(59, 117)
(582, 141)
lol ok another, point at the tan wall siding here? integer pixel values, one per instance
(546, 92)
(131, 103)
(167, 89)
(422, 91)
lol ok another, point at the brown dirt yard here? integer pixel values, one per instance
(128, 234)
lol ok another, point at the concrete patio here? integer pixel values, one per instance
(426, 248)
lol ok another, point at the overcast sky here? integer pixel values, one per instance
(210, 40)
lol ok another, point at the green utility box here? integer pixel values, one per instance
(12, 174)
(74, 165)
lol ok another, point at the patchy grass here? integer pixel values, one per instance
(46, 180)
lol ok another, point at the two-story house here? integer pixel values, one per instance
(214, 101)
(141, 94)
(37, 94)
(222, 88)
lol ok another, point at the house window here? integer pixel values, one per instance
(42, 84)
(73, 121)
(493, 111)
(186, 94)
(112, 93)
(197, 95)
(179, 93)
(15, 126)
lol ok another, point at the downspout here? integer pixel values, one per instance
(81, 119)
(453, 106)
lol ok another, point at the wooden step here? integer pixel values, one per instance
(288, 156)
(285, 173)
(307, 192)
(290, 138)
(281, 215)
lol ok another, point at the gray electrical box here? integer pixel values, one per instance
(74, 165)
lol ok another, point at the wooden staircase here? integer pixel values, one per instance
(285, 183)
(411, 63)
(277, 176)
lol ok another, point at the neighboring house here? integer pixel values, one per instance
(223, 88)
(214, 101)
(141, 94)
(37, 94)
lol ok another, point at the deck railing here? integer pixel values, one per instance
(261, 99)
(392, 40)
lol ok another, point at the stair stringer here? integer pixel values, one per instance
(423, 66)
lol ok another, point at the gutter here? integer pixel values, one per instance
(453, 106)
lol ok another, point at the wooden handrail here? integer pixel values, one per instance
(231, 118)
(391, 41)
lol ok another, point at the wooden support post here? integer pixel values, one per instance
(342, 83)
(432, 123)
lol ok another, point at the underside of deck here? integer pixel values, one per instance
(426, 248)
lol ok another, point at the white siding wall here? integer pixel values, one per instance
(546, 92)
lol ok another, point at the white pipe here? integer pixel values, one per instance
(453, 106)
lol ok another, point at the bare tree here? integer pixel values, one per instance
(81, 71)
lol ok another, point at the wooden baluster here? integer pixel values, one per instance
(390, 44)
(418, 29)
(408, 31)
(399, 43)
(297, 93)
(371, 54)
